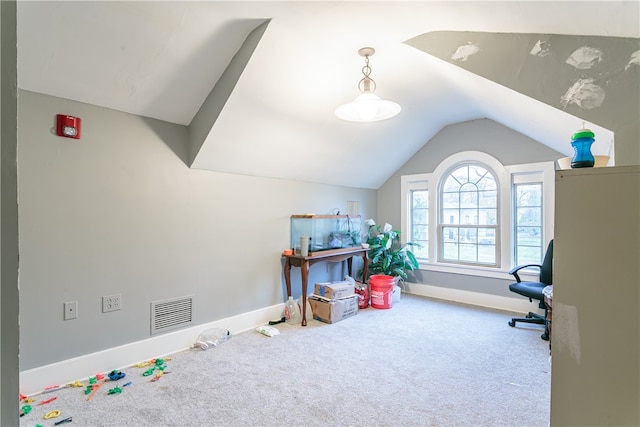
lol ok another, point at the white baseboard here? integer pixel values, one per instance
(517, 305)
(33, 381)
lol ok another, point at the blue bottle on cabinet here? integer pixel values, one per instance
(581, 142)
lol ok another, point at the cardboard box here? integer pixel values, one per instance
(332, 311)
(334, 290)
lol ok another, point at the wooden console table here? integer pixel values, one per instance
(304, 262)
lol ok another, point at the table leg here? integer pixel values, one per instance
(365, 266)
(304, 270)
(287, 276)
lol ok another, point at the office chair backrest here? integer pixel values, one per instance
(546, 272)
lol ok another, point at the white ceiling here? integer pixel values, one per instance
(162, 59)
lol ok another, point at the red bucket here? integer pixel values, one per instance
(381, 291)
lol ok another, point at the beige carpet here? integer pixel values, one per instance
(421, 363)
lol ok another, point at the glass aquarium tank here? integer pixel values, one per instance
(325, 232)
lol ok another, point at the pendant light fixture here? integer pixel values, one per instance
(367, 107)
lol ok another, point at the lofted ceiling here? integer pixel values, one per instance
(270, 110)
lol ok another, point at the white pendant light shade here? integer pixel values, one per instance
(367, 107)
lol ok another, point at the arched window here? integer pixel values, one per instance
(468, 216)
(474, 215)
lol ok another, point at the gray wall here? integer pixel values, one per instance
(506, 145)
(9, 296)
(119, 212)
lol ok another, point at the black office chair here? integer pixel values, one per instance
(533, 290)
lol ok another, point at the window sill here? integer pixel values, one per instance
(478, 271)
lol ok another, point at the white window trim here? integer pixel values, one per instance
(504, 176)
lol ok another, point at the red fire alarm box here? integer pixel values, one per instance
(68, 126)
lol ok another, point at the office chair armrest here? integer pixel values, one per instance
(514, 270)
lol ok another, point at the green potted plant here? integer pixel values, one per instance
(387, 255)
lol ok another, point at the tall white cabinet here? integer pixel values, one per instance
(595, 373)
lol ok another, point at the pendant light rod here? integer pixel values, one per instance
(366, 84)
(367, 107)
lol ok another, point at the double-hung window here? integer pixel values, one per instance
(528, 214)
(474, 215)
(418, 195)
(468, 223)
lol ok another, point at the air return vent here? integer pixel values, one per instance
(170, 314)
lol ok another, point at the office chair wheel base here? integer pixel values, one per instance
(512, 323)
(545, 336)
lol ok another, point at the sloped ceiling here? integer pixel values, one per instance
(257, 82)
(595, 78)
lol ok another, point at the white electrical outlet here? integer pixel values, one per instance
(111, 303)
(70, 310)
